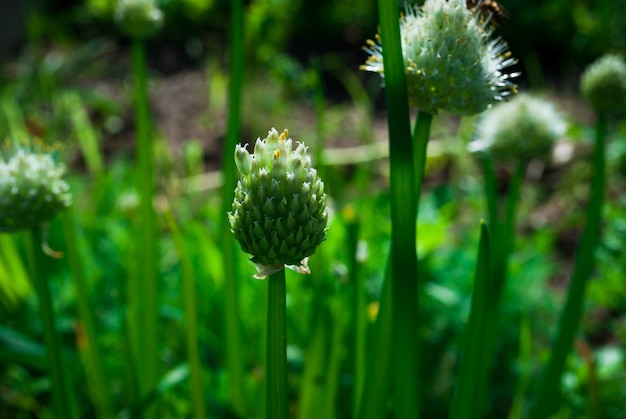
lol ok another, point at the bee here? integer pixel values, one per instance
(490, 10)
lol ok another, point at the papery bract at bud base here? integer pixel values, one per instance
(279, 213)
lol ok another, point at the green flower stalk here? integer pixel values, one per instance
(523, 129)
(451, 61)
(32, 189)
(603, 84)
(138, 19)
(279, 213)
(32, 192)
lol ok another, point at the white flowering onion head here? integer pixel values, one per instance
(32, 189)
(279, 213)
(452, 63)
(524, 128)
(603, 84)
(138, 19)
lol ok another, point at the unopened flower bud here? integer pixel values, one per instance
(277, 216)
(603, 84)
(139, 19)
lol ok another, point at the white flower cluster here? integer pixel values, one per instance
(452, 62)
(525, 128)
(32, 190)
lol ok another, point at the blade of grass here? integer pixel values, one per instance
(403, 210)
(99, 389)
(170, 380)
(276, 370)
(54, 351)
(15, 118)
(234, 354)
(525, 366)
(314, 377)
(85, 133)
(337, 312)
(20, 349)
(378, 378)
(466, 403)
(358, 302)
(191, 312)
(13, 276)
(146, 298)
(549, 387)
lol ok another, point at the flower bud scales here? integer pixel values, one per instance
(279, 213)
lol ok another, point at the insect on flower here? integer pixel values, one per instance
(490, 10)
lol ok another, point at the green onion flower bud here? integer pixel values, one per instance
(279, 213)
(32, 189)
(604, 83)
(525, 128)
(451, 61)
(138, 19)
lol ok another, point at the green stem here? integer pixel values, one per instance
(191, 320)
(549, 386)
(491, 196)
(377, 383)
(502, 235)
(277, 402)
(147, 300)
(507, 233)
(421, 133)
(99, 388)
(54, 350)
(403, 223)
(358, 302)
(467, 400)
(231, 306)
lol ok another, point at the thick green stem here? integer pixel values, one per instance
(506, 231)
(88, 343)
(234, 355)
(277, 401)
(191, 317)
(421, 133)
(54, 350)
(467, 401)
(403, 220)
(502, 233)
(146, 328)
(549, 386)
